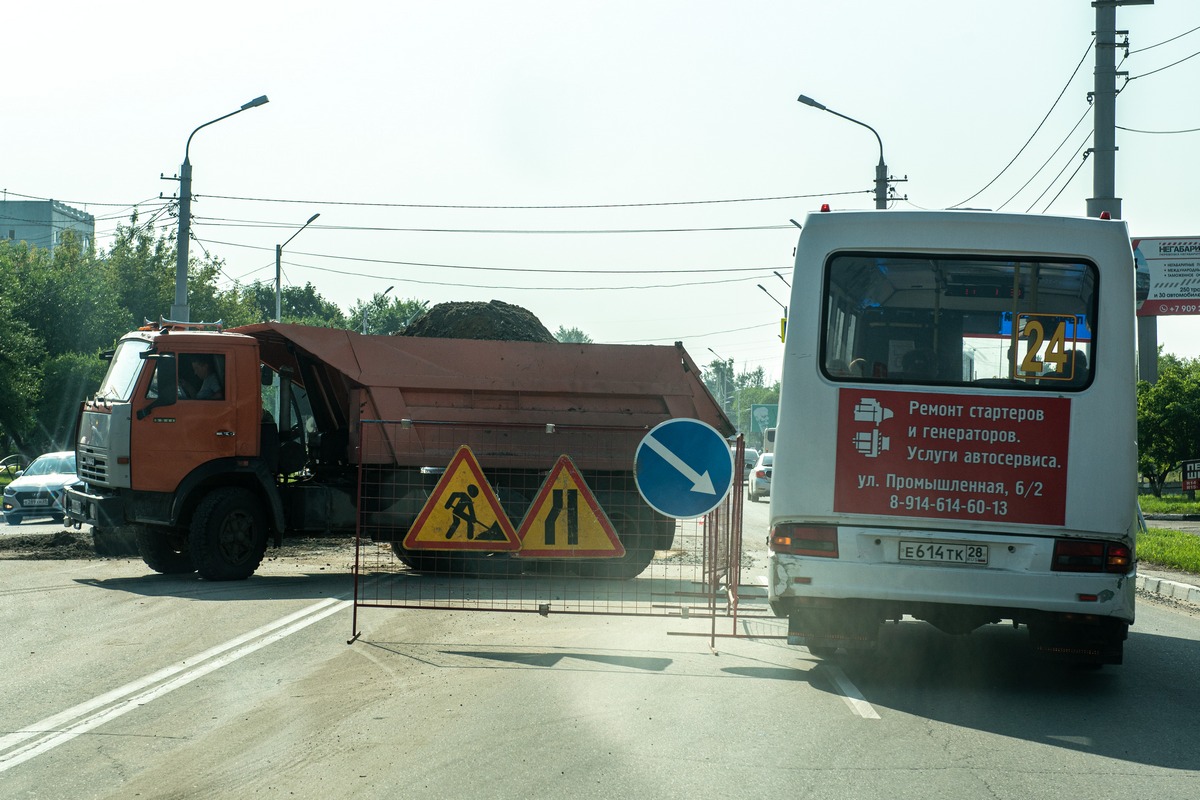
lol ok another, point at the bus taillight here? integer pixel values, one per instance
(805, 540)
(1085, 555)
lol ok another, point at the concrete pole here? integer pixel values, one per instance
(278, 287)
(1104, 112)
(180, 311)
(1104, 156)
(881, 176)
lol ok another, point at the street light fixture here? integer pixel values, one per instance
(881, 179)
(179, 311)
(368, 305)
(279, 262)
(768, 294)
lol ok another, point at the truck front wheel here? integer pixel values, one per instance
(228, 537)
(162, 550)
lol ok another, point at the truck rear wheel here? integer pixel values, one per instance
(639, 539)
(228, 537)
(162, 551)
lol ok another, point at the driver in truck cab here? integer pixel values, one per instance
(206, 386)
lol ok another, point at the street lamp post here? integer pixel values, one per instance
(179, 311)
(279, 263)
(781, 305)
(368, 305)
(881, 179)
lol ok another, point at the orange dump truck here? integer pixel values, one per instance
(208, 444)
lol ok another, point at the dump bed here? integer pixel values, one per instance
(581, 389)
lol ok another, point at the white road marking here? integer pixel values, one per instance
(66, 725)
(850, 693)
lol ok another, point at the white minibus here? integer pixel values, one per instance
(956, 434)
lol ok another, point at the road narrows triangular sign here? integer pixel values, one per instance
(566, 521)
(462, 513)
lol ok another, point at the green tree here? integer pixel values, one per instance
(297, 304)
(141, 273)
(21, 356)
(388, 316)
(572, 335)
(1168, 419)
(66, 380)
(719, 378)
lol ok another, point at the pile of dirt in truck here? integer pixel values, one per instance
(495, 321)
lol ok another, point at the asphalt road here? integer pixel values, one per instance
(120, 683)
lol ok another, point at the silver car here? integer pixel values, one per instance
(38, 489)
(758, 484)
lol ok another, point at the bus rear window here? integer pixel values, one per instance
(957, 320)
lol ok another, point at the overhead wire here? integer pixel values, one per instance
(759, 276)
(1035, 132)
(220, 222)
(550, 207)
(555, 271)
(1060, 172)
(1165, 41)
(1050, 158)
(1161, 69)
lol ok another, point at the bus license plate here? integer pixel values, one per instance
(943, 553)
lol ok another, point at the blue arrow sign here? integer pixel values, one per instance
(683, 468)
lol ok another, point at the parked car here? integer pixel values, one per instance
(38, 489)
(758, 484)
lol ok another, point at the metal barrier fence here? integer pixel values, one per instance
(544, 520)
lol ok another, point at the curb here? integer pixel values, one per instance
(1167, 588)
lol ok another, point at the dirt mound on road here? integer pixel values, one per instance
(46, 546)
(496, 321)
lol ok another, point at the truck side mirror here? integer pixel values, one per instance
(166, 380)
(266, 375)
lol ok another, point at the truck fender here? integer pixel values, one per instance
(226, 472)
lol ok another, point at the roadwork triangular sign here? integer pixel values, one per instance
(462, 513)
(566, 520)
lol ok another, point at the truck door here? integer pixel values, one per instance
(173, 440)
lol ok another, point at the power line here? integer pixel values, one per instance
(560, 206)
(1038, 128)
(219, 222)
(1165, 41)
(1082, 161)
(1160, 69)
(1048, 160)
(1082, 145)
(683, 284)
(557, 271)
(1135, 130)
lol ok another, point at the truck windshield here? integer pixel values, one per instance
(123, 371)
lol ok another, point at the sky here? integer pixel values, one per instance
(625, 168)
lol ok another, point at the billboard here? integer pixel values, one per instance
(763, 416)
(1168, 275)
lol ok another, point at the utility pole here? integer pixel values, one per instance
(1104, 153)
(180, 312)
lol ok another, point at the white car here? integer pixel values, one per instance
(758, 483)
(38, 489)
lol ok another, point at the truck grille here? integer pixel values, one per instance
(92, 465)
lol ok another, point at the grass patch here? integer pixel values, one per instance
(1172, 549)
(1168, 504)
